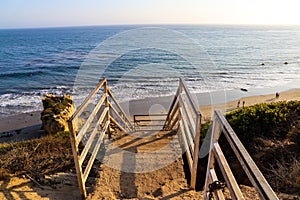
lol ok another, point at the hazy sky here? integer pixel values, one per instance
(45, 13)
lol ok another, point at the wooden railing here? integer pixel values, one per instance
(220, 125)
(106, 111)
(149, 122)
(185, 117)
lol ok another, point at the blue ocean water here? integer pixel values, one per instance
(34, 62)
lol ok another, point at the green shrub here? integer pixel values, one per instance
(271, 121)
(204, 129)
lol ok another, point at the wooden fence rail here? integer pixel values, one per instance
(106, 111)
(149, 122)
(185, 116)
(220, 125)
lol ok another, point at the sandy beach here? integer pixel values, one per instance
(28, 125)
(21, 127)
(207, 110)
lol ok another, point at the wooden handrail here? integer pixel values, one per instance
(190, 98)
(149, 122)
(254, 174)
(221, 125)
(87, 100)
(171, 109)
(90, 119)
(188, 127)
(119, 116)
(120, 108)
(95, 138)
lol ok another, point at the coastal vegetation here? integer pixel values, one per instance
(275, 121)
(271, 134)
(37, 157)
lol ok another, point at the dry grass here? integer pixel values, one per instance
(3, 174)
(285, 176)
(37, 157)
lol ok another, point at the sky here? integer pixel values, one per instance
(56, 13)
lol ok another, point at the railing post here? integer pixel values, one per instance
(77, 161)
(196, 152)
(168, 119)
(180, 87)
(107, 106)
(211, 158)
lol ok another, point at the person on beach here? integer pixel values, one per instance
(277, 95)
(243, 104)
(238, 104)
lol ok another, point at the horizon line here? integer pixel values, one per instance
(142, 24)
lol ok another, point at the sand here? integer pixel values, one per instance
(207, 110)
(20, 188)
(21, 127)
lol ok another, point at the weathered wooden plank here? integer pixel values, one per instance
(120, 108)
(251, 169)
(188, 115)
(90, 119)
(152, 115)
(210, 165)
(196, 152)
(94, 153)
(187, 152)
(119, 117)
(117, 123)
(169, 117)
(174, 122)
(213, 177)
(92, 136)
(149, 118)
(108, 113)
(159, 125)
(211, 156)
(87, 100)
(227, 173)
(190, 98)
(187, 135)
(76, 159)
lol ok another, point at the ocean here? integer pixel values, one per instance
(143, 61)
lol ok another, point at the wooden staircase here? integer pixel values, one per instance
(149, 150)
